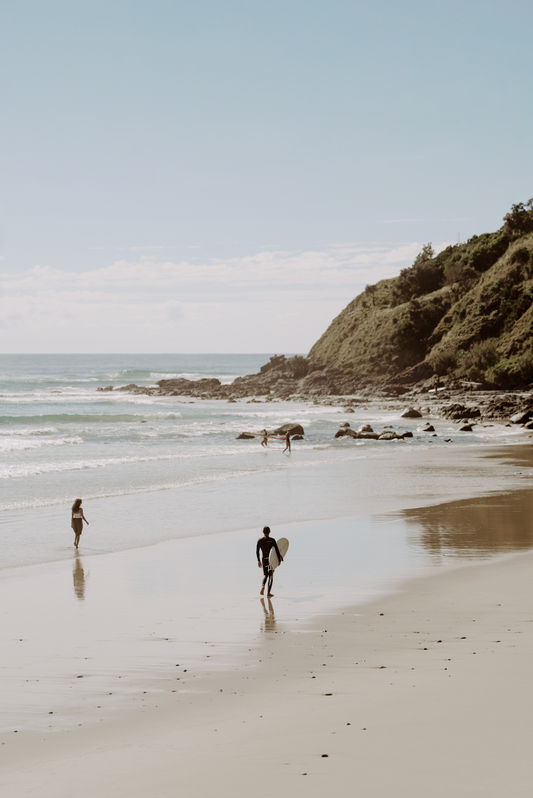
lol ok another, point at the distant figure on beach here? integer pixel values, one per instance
(262, 552)
(264, 442)
(77, 521)
(287, 443)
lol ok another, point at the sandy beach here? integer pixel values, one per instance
(410, 686)
(423, 691)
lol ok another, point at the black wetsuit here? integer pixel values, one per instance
(265, 546)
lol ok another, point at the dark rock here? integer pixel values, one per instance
(293, 429)
(297, 438)
(340, 433)
(107, 388)
(517, 418)
(351, 433)
(428, 428)
(368, 435)
(465, 428)
(365, 428)
(529, 425)
(410, 412)
(407, 434)
(344, 424)
(349, 410)
(389, 435)
(232, 401)
(245, 436)
(458, 411)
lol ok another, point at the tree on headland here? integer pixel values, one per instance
(520, 218)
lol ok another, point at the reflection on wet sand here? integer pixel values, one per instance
(270, 619)
(78, 577)
(474, 527)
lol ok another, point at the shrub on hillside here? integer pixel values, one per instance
(298, 366)
(485, 255)
(478, 359)
(421, 278)
(501, 373)
(444, 361)
(520, 256)
(524, 367)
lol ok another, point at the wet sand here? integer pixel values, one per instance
(432, 697)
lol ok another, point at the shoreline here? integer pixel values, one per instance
(407, 691)
(387, 480)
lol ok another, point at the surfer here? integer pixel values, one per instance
(265, 546)
(287, 443)
(77, 521)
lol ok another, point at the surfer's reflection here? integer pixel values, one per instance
(270, 618)
(78, 577)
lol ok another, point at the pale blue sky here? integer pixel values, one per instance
(178, 136)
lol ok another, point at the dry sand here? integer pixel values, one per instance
(425, 692)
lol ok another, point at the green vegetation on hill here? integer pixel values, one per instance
(466, 312)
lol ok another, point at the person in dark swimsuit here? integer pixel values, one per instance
(287, 443)
(262, 552)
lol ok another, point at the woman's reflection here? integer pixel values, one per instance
(270, 618)
(78, 577)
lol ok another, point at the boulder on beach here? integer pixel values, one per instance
(297, 437)
(293, 429)
(245, 436)
(410, 412)
(340, 433)
(407, 434)
(107, 388)
(349, 410)
(427, 428)
(371, 436)
(345, 424)
(465, 428)
(365, 428)
(517, 418)
(388, 435)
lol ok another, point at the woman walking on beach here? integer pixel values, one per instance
(287, 443)
(77, 521)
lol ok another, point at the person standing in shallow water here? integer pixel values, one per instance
(287, 443)
(262, 552)
(77, 521)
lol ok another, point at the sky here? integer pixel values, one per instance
(225, 176)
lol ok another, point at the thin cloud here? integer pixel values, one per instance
(142, 304)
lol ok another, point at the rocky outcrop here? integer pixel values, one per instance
(458, 411)
(292, 429)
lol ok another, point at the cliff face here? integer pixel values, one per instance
(465, 313)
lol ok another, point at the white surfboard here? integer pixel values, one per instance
(283, 546)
